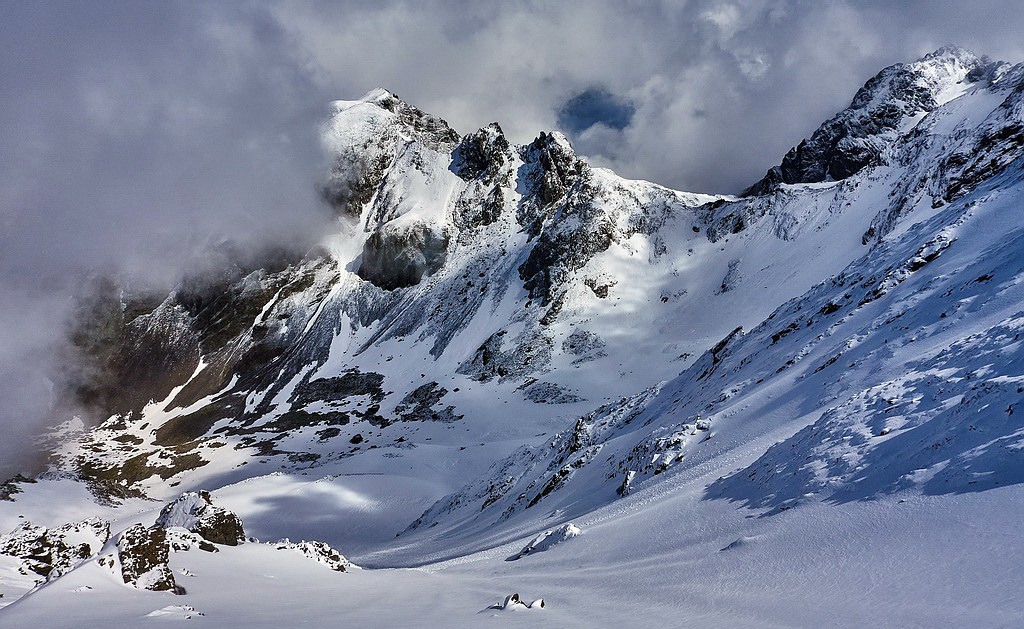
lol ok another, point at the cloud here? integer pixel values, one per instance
(137, 138)
(722, 88)
(139, 135)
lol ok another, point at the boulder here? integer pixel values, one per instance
(143, 553)
(195, 512)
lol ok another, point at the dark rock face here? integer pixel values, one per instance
(418, 405)
(195, 512)
(482, 159)
(156, 350)
(185, 428)
(399, 256)
(143, 553)
(553, 175)
(856, 136)
(471, 213)
(242, 321)
(566, 208)
(348, 384)
(551, 168)
(481, 155)
(135, 351)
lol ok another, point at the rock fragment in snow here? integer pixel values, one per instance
(735, 544)
(185, 612)
(548, 539)
(549, 393)
(584, 345)
(320, 552)
(627, 483)
(512, 601)
(732, 277)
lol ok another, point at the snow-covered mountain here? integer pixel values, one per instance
(498, 340)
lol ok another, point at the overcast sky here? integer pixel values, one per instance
(136, 135)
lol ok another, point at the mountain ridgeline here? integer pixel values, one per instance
(562, 337)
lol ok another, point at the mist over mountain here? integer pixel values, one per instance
(264, 351)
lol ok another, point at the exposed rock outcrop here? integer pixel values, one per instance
(400, 255)
(320, 552)
(142, 554)
(52, 552)
(195, 512)
(856, 136)
(363, 137)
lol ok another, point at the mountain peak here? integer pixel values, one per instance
(877, 115)
(410, 120)
(951, 52)
(378, 95)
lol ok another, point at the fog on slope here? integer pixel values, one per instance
(135, 144)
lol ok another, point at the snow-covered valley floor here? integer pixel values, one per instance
(672, 559)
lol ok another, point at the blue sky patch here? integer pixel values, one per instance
(595, 105)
